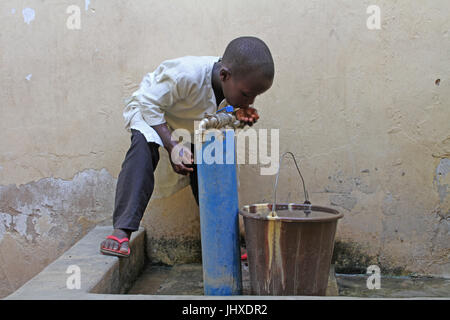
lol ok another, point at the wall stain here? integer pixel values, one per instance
(171, 251)
(441, 179)
(54, 205)
(351, 258)
(341, 188)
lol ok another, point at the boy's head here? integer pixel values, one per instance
(247, 71)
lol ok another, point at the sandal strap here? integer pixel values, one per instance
(120, 241)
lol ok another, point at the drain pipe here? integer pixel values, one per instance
(219, 206)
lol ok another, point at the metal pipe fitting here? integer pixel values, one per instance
(218, 121)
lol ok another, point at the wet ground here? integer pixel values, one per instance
(393, 287)
(187, 279)
(178, 280)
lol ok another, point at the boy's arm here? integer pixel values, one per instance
(156, 95)
(166, 136)
(184, 156)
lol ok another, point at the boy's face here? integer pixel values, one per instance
(241, 92)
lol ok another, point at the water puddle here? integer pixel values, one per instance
(187, 279)
(393, 287)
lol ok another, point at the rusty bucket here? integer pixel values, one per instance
(289, 246)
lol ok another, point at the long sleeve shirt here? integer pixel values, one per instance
(178, 93)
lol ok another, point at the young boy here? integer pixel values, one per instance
(175, 95)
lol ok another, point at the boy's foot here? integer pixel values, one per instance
(116, 244)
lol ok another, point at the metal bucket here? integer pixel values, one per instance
(289, 246)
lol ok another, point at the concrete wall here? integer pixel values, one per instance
(361, 109)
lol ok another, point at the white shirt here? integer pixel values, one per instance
(178, 92)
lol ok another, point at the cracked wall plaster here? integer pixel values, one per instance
(42, 219)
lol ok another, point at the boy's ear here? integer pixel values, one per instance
(224, 73)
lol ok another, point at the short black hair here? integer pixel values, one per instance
(245, 55)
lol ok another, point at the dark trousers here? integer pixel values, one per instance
(136, 182)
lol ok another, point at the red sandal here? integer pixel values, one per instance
(117, 252)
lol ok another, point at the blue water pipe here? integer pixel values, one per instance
(219, 221)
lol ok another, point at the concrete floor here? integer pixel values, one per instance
(393, 287)
(187, 279)
(106, 277)
(182, 279)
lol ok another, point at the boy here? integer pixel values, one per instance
(175, 95)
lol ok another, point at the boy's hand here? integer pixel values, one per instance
(248, 115)
(181, 159)
(180, 156)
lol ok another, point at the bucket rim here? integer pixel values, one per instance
(249, 211)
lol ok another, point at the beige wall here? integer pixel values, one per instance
(359, 108)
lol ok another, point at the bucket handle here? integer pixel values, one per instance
(276, 183)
